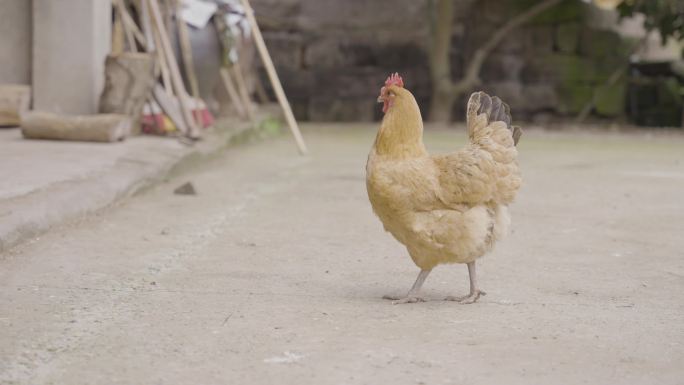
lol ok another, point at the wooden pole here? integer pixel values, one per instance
(232, 92)
(118, 35)
(163, 64)
(154, 44)
(242, 89)
(186, 52)
(121, 10)
(146, 24)
(260, 90)
(176, 79)
(130, 24)
(273, 76)
(188, 62)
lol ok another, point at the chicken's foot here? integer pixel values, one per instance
(475, 293)
(412, 296)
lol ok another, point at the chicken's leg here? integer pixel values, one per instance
(412, 295)
(475, 293)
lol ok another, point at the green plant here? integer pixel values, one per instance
(664, 16)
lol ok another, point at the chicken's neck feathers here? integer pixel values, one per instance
(401, 132)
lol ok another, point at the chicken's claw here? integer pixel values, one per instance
(398, 300)
(468, 299)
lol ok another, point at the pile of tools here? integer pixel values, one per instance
(151, 89)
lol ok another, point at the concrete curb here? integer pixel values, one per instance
(27, 217)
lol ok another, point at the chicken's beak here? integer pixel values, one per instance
(381, 99)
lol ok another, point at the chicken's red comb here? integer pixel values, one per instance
(394, 80)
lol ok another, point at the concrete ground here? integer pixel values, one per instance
(45, 182)
(274, 273)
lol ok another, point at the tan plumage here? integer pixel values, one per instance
(444, 208)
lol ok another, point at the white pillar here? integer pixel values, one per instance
(15, 41)
(71, 39)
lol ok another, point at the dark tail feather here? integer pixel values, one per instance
(517, 133)
(496, 111)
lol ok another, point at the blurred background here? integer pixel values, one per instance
(156, 228)
(333, 55)
(552, 60)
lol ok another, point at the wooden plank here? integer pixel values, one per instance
(118, 35)
(121, 10)
(130, 25)
(242, 89)
(91, 128)
(188, 62)
(170, 108)
(163, 64)
(152, 45)
(186, 52)
(260, 90)
(273, 76)
(146, 24)
(176, 79)
(232, 92)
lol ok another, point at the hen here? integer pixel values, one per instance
(444, 208)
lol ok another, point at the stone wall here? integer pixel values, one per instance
(333, 56)
(554, 63)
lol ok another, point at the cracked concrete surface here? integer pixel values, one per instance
(274, 273)
(47, 182)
